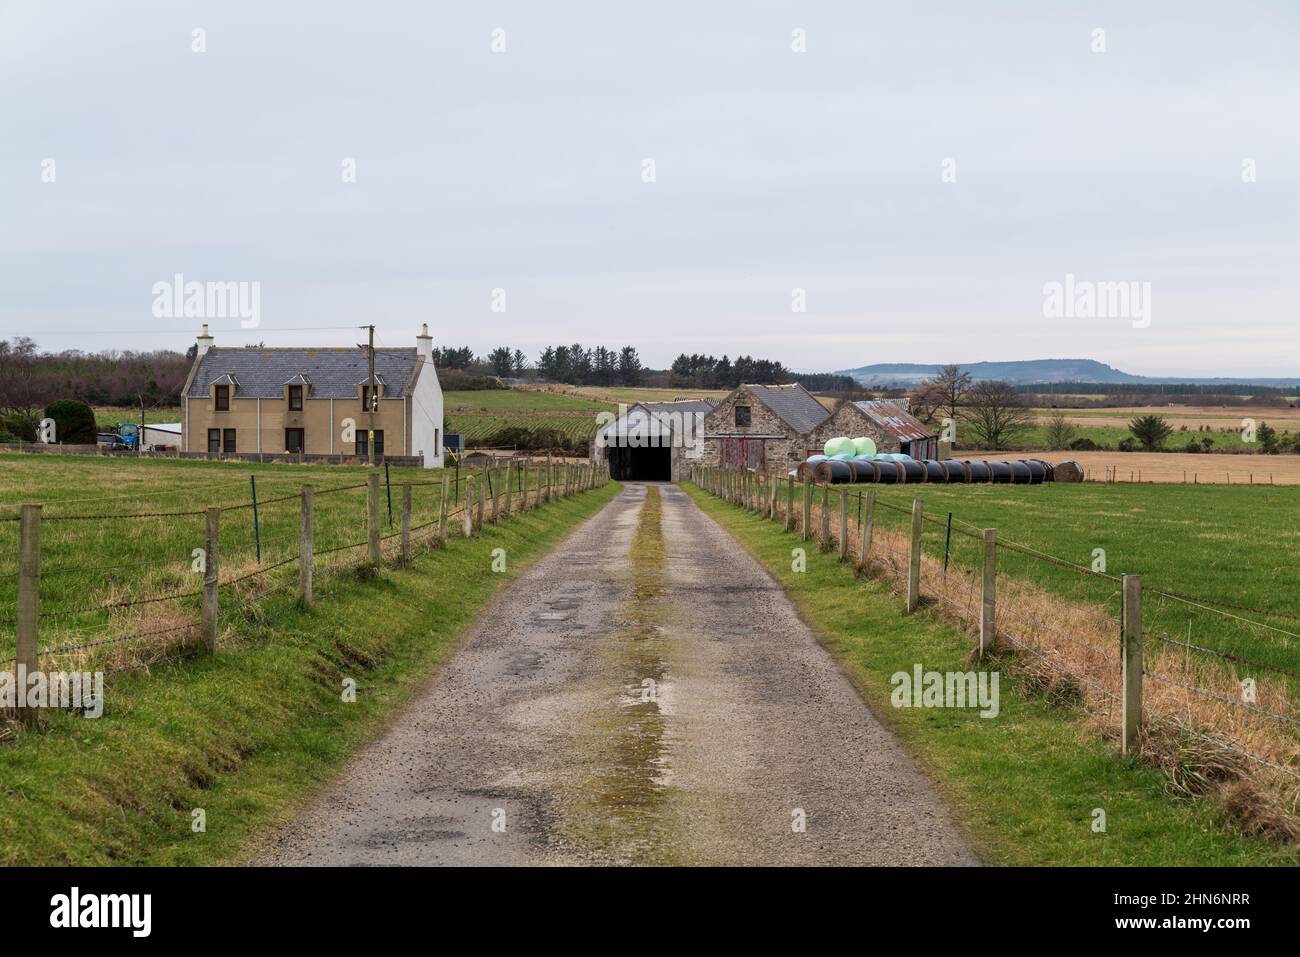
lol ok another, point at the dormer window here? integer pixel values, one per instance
(295, 398)
(223, 387)
(366, 405)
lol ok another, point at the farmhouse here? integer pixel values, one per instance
(308, 402)
(655, 441)
(765, 427)
(886, 421)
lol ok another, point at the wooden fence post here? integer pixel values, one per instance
(807, 510)
(868, 516)
(1131, 670)
(789, 503)
(468, 523)
(523, 487)
(305, 548)
(372, 517)
(442, 509)
(212, 574)
(497, 493)
(406, 523)
(510, 484)
(28, 657)
(481, 503)
(825, 536)
(914, 564)
(844, 524)
(988, 593)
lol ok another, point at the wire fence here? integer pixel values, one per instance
(120, 591)
(1212, 666)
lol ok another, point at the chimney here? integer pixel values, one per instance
(204, 342)
(424, 344)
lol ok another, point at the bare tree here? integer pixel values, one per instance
(1060, 431)
(995, 413)
(941, 396)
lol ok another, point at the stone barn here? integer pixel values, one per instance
(654, 441)
(885, 421)
(764, 427)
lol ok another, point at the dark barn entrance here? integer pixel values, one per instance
(640, 464)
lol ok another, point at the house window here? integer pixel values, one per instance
(743, 415)
(214, 441)
(294, 440)
(295, 398)
(223, 398)
(227, 440)
(363, 442)
(365, 397)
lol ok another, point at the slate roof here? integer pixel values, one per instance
(793, 404)
(334, 373)
(894, 420)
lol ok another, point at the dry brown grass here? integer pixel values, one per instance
(1197, 728)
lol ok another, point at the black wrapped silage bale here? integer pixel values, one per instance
(865, 470)
(1037, 471)
(934, 471)
(888, 473)
(958, 471)
(1021, 473)
(913, 471)
(999, 472)
(978, 472)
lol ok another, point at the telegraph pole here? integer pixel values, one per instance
(373, 402)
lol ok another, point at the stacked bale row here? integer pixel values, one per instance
(903, 471)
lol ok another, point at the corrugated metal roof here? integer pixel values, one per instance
(333, 373)
(795, 405)
(890, 417)
(646, 419)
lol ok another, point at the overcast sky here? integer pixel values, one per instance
(775, 170)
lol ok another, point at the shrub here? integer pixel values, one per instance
(458, 380)
(22, 427)
(74, 422)
(1084, 444)
(1127, 445)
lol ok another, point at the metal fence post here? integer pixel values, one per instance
(211, 578)
(510, 487)
(305, 548)
(914, 563)
(1131, 670)
(372, 517)
(988, 594)
(27, 656)
(482, 497)
(406, 522)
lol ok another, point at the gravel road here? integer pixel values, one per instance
(646, 694)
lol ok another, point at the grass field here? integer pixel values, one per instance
(107, 417)
(1024, 785)
(105, 560)
(247, 734)
(1228, 544)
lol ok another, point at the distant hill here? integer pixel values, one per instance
(1031, 371)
